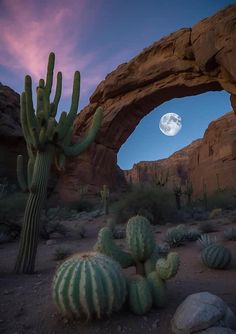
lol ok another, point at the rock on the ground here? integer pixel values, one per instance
(201, 311)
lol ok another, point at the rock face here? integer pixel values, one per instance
(11, 138)
(213, 162)
(210, 160)
(203, 313)
(188, 62)
(177, 166)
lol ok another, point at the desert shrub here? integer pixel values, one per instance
(80, 231)
(225, 199)
(206, 227)
(215, 213)
(230, 233)
(61, 253)
(81, 205)
(52, 226)
(176, 236)
(156, 203)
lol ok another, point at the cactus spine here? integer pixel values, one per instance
(47, 141)
(105, 193)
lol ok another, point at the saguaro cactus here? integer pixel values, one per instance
(47, 141)
(177, 189)
(160, 176)
(105, 193)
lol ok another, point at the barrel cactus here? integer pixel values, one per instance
(106, 245)
(140, 238)
(216, 256)
(48, 141)
(89, 285)
(139, 295)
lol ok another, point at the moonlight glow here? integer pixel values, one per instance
(170, 124)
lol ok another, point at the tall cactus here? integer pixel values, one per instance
(105, 193)
(189, 192)
(177, 189)
(47, 141)
(160, 176)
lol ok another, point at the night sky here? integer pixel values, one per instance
(95, 36)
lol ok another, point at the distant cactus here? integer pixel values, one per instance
(47, 140)
(219, 189)
(3, 188)
(204, 190)
(216, 256)
(177, 189)
(105, 193)
(89, 285)
(189, 192)
(160, 176)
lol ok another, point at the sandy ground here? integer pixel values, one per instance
(26, 305)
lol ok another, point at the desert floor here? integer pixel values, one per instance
(26, 304)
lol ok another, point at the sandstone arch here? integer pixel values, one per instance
(188, 62)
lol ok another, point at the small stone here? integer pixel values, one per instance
(51, 242)
(155, 324)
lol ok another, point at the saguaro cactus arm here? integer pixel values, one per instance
(83, 144)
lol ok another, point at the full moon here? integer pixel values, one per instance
(170, 124)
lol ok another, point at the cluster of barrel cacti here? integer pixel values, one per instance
(48, 141)
(147, 287)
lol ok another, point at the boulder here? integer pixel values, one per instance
(202, 311)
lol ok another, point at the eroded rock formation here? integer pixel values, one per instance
(213, 162)
(188, 62)
(11, 137)
(177, 166)
(210, 160)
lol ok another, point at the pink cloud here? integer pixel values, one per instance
(31, 30)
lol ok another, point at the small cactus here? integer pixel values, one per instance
(139, 295)
(216, 256)
(105, 193)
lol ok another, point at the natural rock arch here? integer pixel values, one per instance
(188, 62)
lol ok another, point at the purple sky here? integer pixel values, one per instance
(95, 36)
